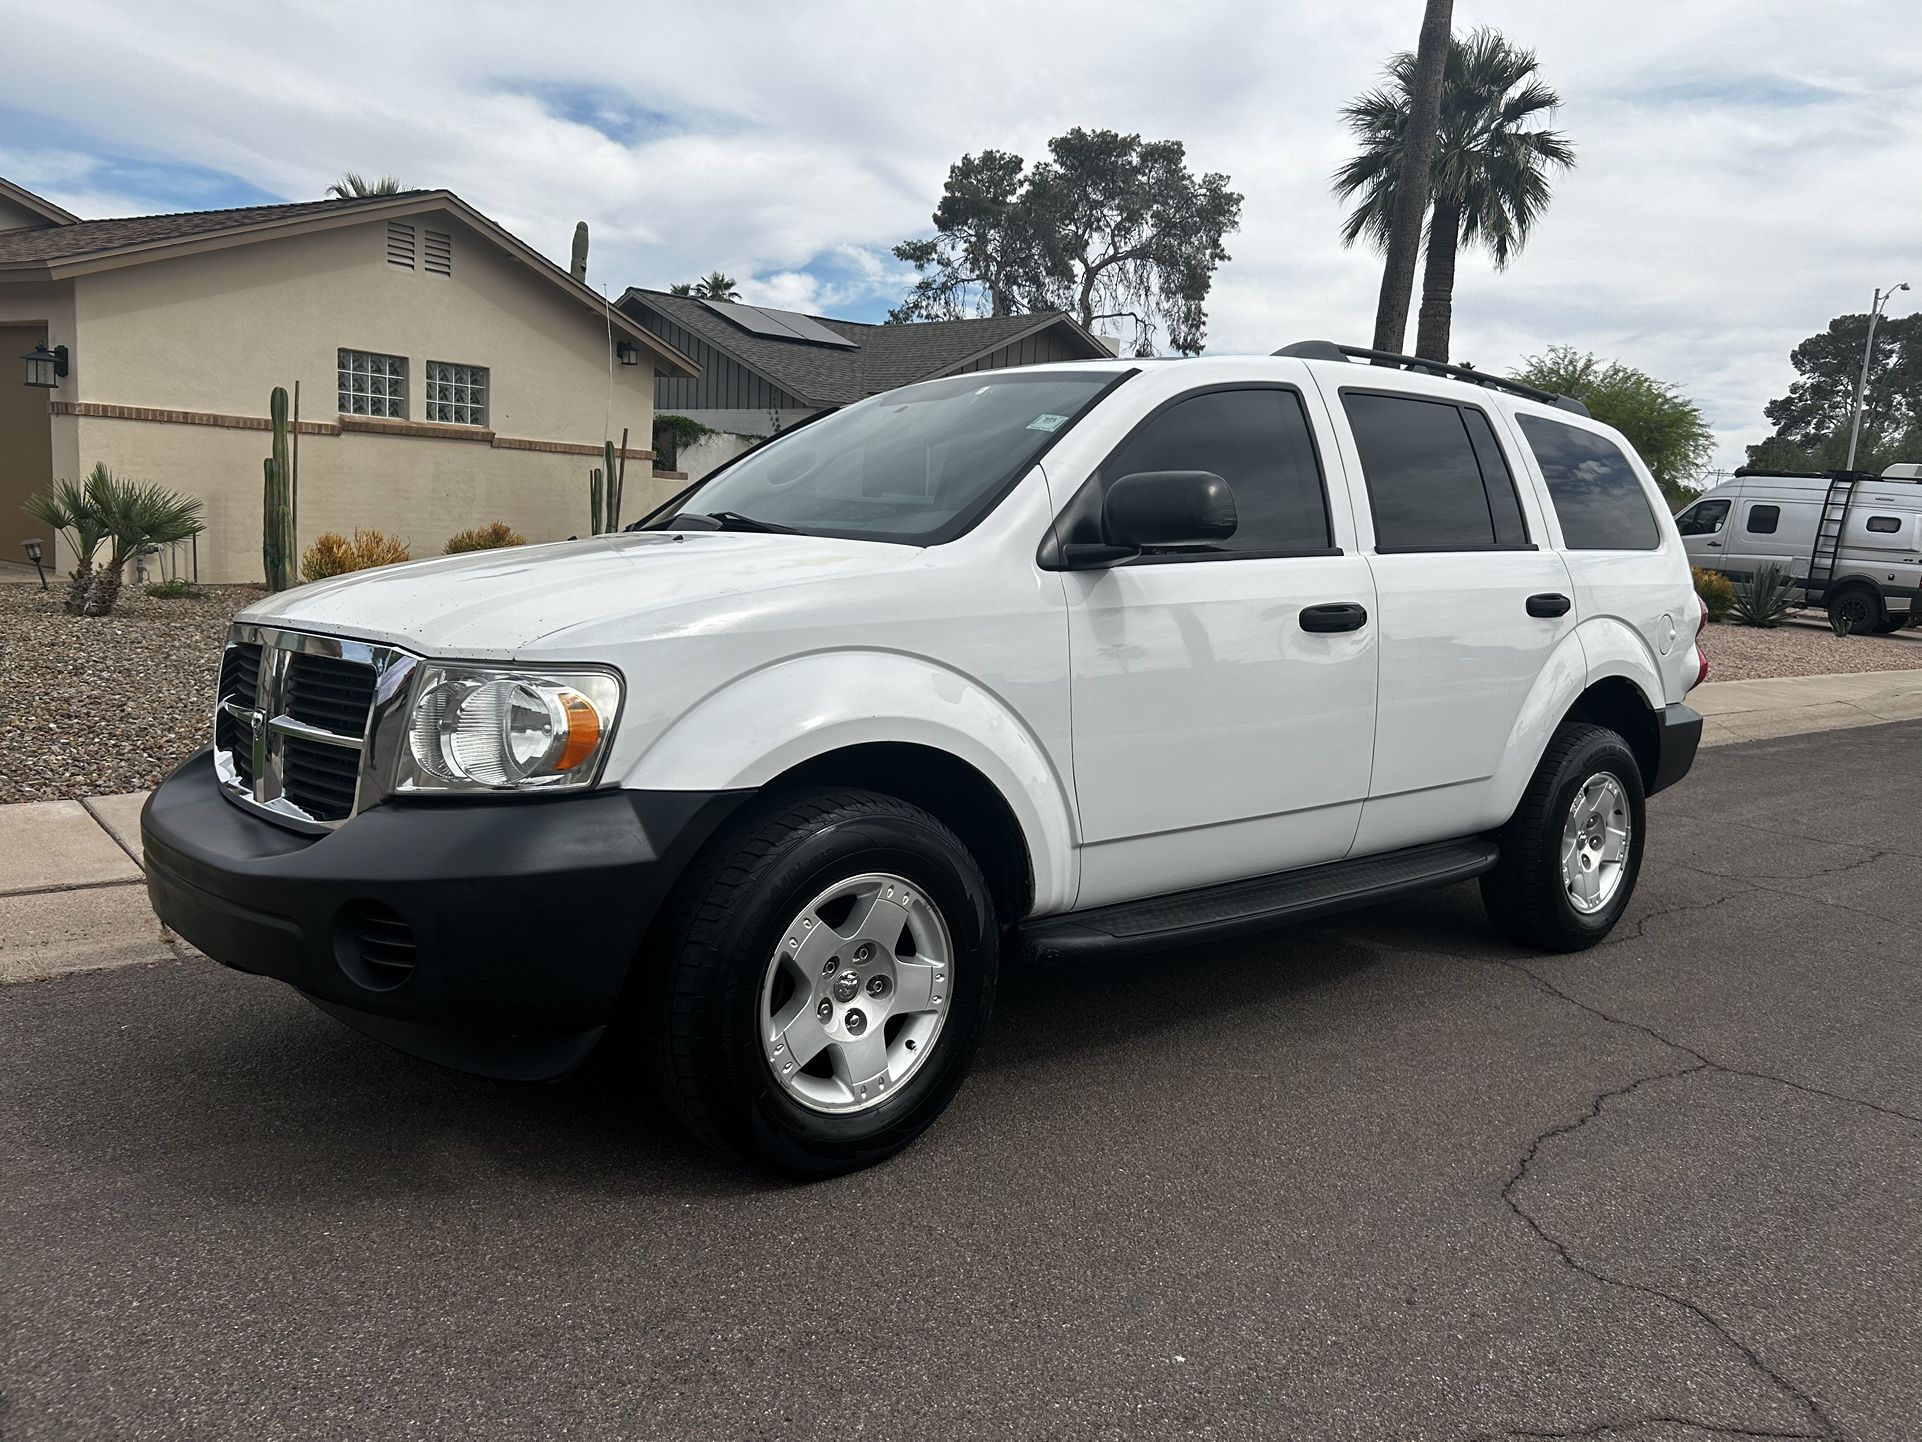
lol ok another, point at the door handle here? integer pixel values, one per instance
(1334, 616)
(1549, 603)
(1716, 544)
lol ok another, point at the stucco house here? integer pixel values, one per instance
(763, 369)
(449, 375)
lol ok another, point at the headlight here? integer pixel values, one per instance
(478, 728)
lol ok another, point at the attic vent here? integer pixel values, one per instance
(400, 243)
(440, 253)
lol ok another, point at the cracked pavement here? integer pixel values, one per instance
(1380, 1177)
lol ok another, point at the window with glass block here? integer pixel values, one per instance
(456, 394)
(373, 385)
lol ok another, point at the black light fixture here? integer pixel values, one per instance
(45, 367)
(32, 549)
(627, 353)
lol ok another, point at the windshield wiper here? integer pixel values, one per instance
(735, 521)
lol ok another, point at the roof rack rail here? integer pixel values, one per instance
(1742, 471)
(1329, 350)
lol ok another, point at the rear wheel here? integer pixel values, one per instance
(1860, 610)
(1572, 851)
(829, 969)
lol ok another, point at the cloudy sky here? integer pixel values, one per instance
(1746, 169)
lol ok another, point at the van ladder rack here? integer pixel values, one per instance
(1836, 504)
(1329, 350)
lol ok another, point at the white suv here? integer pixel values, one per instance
(1068, 659)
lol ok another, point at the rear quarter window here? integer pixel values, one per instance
(1597, 495)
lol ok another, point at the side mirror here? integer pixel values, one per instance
(1158, 508)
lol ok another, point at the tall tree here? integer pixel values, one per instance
(1109, 227)
(1410, 202)
(1812, 420)
(352, 185)
(1666, 428)
(1489, 172)
(712, 286)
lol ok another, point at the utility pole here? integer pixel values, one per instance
(1862, 381)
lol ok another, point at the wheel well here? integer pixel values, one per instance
(946, 787)
(1615, 702)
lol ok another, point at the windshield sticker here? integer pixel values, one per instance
(1047, 423)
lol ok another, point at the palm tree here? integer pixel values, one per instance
(133, 516)
(67, 507)
(352, 185)
(715, 286)
(1490, 171)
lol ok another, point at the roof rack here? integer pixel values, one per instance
(1745, 471)
(1329, 350)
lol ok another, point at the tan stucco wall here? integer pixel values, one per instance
(215, 332)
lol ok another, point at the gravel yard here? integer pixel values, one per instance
(1748, 653)
(92, 706)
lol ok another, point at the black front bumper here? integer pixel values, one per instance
(1678, 734)
(525, 915)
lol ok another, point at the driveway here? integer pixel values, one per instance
(1382, 1177)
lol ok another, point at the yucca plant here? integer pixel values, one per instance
(1763, 599)
(133, 516)
(66, 507)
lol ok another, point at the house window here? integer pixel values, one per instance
(456, 394)
(373, 385)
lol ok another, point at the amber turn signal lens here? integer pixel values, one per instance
(583, 730)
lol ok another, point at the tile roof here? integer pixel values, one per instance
(94, 237)
(886, 355)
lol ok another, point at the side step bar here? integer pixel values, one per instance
(1215, 913)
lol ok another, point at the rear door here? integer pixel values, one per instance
(1471, 602)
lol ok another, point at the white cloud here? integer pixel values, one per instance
(1747, 169)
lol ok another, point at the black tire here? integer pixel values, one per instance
(1525, 894)
(1891, 625)
(703, 1024)
(1861, 608)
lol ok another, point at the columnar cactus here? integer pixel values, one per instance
(594, 493)
(276, 510)
(577, 263)
(613, 486)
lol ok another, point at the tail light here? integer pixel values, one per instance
(1701, 656)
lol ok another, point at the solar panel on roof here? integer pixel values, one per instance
(777, 324)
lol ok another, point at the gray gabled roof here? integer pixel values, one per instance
(883, 357)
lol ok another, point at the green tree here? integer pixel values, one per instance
(1489, 172)
(712, 286)
(1665, 427)
(352, 185)
(1108, 227)
(1812, 420)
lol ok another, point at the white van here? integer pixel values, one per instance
(1851, 540)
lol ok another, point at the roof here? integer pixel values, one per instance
(883, 357)
(40, 206)
(84, 246)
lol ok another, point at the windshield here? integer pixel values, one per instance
(918, 465)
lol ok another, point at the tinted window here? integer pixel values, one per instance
(1598, 497)
(1503, 507)
(1884, 523)
(920, 464)
(1762, 520)
(1258, 441)
(1424, 483)
(1704, 518)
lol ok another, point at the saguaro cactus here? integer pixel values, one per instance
(276, 508)
(577, 266)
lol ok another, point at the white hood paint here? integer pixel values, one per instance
(489, 605)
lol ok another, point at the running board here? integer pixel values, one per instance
(1215, 913)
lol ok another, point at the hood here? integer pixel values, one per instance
(488, 605)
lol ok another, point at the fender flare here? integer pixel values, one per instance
(1595, 650)
(765, 723)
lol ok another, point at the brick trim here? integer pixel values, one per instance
(162, 416)
(566, 448)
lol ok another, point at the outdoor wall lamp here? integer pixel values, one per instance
(627, 352)
(45, 367)
(32, 548)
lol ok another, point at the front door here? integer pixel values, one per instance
(1704, 527)
(1216, 736)
(26, 451)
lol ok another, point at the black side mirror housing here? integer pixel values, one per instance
(1158, 508)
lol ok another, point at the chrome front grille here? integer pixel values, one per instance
(297, 720)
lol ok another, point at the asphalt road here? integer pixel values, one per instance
(1377, 1178)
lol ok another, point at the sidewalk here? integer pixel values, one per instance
(72, 896)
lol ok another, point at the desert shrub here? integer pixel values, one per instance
(332, 554)
(178, 589)
(490, 537)
(1763, 599)
(1717, 592)
(674, 434)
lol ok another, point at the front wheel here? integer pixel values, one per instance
(1573, 849)
(828, 971)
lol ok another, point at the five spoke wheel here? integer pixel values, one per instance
(1595, 843)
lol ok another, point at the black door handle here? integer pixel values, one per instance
(1334, 616)
(1716, 544)
(1549, 603)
